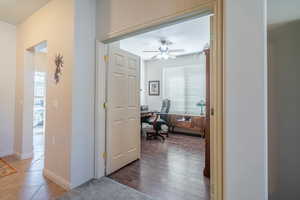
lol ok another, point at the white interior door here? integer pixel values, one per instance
(123, 109)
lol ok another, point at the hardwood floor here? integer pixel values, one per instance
(172, 170)
(28, 183)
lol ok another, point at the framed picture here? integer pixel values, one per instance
(154, 88)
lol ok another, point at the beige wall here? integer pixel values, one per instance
(53, 23)
(7, 87)
(116, 15)
(68, 26)
(40, 61)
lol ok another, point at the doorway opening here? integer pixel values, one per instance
(39, 111)
(157, 116)
(39, 62)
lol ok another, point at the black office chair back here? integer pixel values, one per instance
(165, 108)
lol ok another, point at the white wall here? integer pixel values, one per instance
(154, 71)
(7, 87)
(26, 149)
(83, 93)
(284, 99)
(245, 149)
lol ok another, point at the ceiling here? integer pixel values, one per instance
(191, 36)
(15, 11)
(280, 11)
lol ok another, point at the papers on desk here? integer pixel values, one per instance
(184, 119)
(146, 126)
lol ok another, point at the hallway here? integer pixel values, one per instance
(28, 183)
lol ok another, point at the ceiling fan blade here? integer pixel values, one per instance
(151, 51)
(176, 50)
(154, 57)
(172, 56)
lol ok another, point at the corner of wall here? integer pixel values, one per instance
(57, 179)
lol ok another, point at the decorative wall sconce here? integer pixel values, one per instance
(59, 62)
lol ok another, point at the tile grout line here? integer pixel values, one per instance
(36, 192)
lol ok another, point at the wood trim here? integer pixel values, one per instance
(100, 117)
(206, 171)
(206, 7)
(216, 85)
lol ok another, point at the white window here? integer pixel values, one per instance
(185, 87)
(39, 84)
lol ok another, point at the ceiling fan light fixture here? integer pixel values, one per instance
(164, 56)
(164, 53)
(172, 56)
(163, 48)
(159, 57)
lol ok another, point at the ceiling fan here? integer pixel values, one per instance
(164, 52)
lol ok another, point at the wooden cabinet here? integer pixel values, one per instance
(188, 122)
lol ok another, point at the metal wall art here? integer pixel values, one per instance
(59, 62)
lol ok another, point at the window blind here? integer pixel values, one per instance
(185, 86)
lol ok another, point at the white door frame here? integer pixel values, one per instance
(100, 114)
(26, 150)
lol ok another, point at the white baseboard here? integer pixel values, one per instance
(18, 155)
(24, 156)
(6, 153)
(57, 179)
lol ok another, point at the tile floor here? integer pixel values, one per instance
(29, 183)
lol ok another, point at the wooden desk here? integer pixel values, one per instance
(147, 113)
(190, 122)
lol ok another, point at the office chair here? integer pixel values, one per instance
(163, 118)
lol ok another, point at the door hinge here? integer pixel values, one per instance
(212, 189)
(212, 111)
(106, 58)
(104, 155)
(104, 105)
